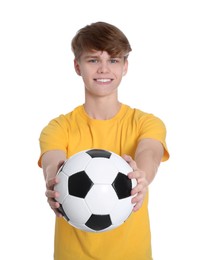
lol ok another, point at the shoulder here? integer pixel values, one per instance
(65, 119)
(140, 116)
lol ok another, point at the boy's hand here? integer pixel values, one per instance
(140, 190)
(52, 195)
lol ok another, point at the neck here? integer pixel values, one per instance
(102, 109)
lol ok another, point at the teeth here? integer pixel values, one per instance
(103, 80)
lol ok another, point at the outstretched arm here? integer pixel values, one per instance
(147, 159)
(51, 162)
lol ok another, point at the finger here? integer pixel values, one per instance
(60, 164)
(51, 194)
(51, 182)
(130, 161)
(137, 189)
(137, 206)
(136, 199)
(57, 212)
(55, 207)
(135, 174)
(53, 203)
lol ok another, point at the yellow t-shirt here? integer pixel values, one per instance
(75, 132)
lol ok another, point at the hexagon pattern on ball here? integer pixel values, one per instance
(95, 192)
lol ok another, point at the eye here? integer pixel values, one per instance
(114, 61)
(93, 61)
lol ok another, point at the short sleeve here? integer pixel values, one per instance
(151, 126)
(54, 136)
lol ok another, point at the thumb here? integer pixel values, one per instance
(130, 161)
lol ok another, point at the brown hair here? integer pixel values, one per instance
(101, 36)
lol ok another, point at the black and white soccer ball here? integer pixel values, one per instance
(95, 192)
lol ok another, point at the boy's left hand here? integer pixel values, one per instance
(140, 190)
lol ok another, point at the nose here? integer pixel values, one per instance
(103, 67)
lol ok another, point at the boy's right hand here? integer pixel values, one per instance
(51, 195)
(51, 163)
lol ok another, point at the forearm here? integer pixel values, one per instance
(51, 161)
(148, 157)
(147, 163)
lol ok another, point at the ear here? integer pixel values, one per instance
(77, 67)
(125, 67)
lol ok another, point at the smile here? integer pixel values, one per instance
(103, 80)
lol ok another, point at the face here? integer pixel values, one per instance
(100, 72)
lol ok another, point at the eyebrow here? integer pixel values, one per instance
(98, 57)
(91, 56)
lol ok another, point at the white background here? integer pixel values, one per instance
(38, 82)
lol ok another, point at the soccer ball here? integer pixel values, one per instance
(95, 192)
